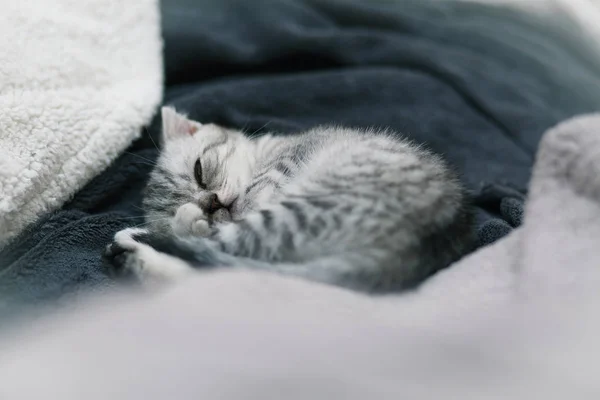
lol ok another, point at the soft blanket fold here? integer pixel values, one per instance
(78, 80)
(517, 319)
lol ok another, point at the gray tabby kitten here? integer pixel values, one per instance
(360, 209)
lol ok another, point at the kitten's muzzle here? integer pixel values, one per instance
(218, 211)
(215, 209)
(213, 204)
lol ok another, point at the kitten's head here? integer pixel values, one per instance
(204, 164)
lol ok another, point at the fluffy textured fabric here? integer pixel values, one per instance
(480, 84)
(516, 320)
(78, 81)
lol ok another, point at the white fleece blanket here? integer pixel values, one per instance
(78, 80)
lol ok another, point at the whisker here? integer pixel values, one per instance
(152, 140)
(139, 225)
(261, 128)
(243, 130)
(144, 163)
(143, 158)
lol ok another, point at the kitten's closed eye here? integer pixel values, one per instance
(198, 174)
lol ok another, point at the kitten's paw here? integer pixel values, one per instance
(201, 228)
(190, 220)
(120, 256)
(128, 257)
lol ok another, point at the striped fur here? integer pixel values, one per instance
(361, 209)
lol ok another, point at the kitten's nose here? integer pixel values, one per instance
(214, 204)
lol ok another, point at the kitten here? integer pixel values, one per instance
(365, 210)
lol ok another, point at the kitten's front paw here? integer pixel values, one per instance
(190, 220)
(121, 256)
(129, 257)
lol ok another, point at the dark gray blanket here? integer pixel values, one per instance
(448, 77)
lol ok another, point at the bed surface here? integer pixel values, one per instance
(448, 76)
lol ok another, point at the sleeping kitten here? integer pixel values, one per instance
(360, 209)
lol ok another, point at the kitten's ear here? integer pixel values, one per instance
(177, 125)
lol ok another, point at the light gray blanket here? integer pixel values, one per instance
(516, 320)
